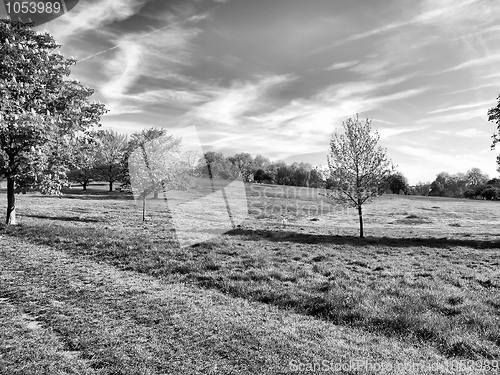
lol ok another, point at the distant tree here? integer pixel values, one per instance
(112, 148)
(357, 165)
(83, 160)
(491, 193)
(437, 189)
(242, 163)
(283, 173)
(317, 178)
(422, 188)
(215, 165)
(259, 175)
(456, 186)
(398, 183)
(81, 176)
(494, 181)
(475, 177)
(192, 160)
(261, 162)
(41, 113)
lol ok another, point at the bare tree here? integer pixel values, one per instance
(357, 166)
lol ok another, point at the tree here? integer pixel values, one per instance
(192, 159)
(112, 148)
(83, 161)
(491, 193)
(259, 175)
(357, 165)
(215, 165)
(398, 183)
(41, 113)
(494, 116)
(317, 178)
(261, 162)
(242, 163)
(156, 164)
(475, 177)
(421, 188)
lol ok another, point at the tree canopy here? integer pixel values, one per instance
(41, 113)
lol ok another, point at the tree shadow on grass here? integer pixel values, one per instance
(306, 238)
(66, 218)
(88, 196)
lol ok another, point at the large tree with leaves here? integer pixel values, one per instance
(41, 112)
(111, 150)
(357, 166)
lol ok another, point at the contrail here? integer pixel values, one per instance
(192, 18)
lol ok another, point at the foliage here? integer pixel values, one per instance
(260, 176)
(111, 150)
(494, 116)
(421, 188)
(83, 162)
(41, 113)
(156, 163)
(458, 185)
(242, 163)
(475, 176)
(357, 165)
(398, 183)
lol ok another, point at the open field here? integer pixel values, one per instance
(87, 287)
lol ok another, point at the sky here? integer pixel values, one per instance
(277, 77)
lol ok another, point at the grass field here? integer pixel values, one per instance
(86, 287)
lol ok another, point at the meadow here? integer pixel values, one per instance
(87, 287)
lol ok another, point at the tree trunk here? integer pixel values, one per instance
(156, 192)
(360, 222)
(144, 206)
(110, 186)
(11, 202)
(84, 186)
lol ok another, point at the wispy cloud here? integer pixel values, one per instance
(462, 106)
(462, 116)
(91, 15)
(485, 60)
(467, 133)
(390, 132)
(342, 65)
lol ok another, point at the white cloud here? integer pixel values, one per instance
(342, 65)
(462, 106)
(91, 15)
(389, 132)
(467, 115)
(467, 133)
(484, 60)
(157, 56)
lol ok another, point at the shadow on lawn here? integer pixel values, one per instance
(89, 196)
(67, 218)
(290, 236)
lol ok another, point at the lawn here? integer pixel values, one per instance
(87, 287)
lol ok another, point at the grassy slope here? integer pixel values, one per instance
(94, 318)
(438, 292)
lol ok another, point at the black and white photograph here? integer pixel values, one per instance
(249, 187)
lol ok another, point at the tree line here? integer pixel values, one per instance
(49, 135)
(473, 184)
